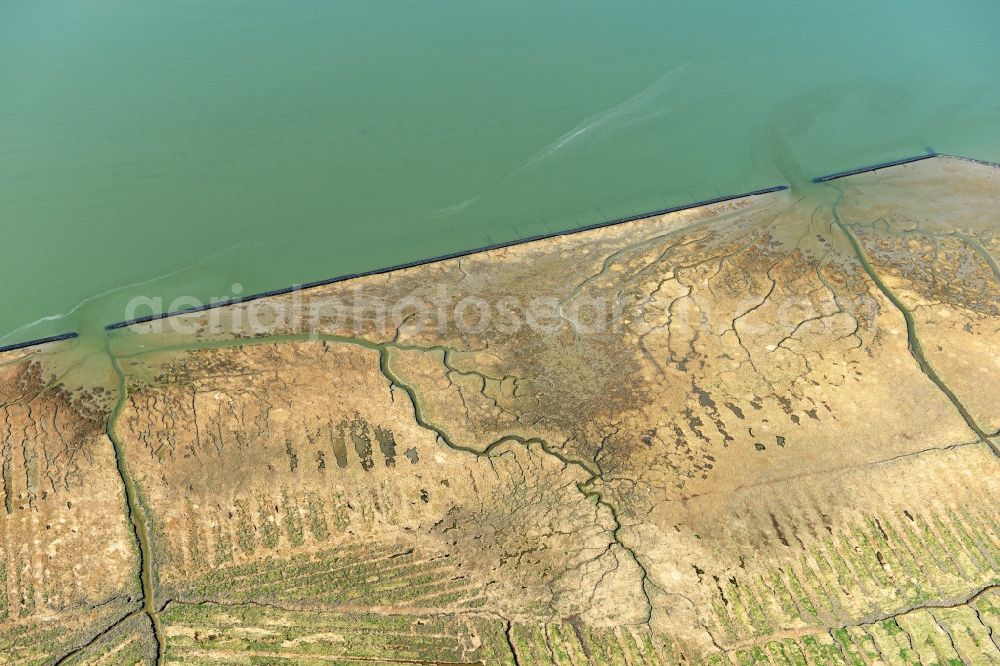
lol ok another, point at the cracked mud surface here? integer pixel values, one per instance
(782, 449)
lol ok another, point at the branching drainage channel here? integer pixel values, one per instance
(916, 350)
(138, 517)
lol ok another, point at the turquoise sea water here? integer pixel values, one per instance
(168, 149)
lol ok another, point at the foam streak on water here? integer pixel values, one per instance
(139, 143)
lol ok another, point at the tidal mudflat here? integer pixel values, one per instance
(759, 431)
(178, 151)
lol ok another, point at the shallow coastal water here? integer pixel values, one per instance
(173, 150)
